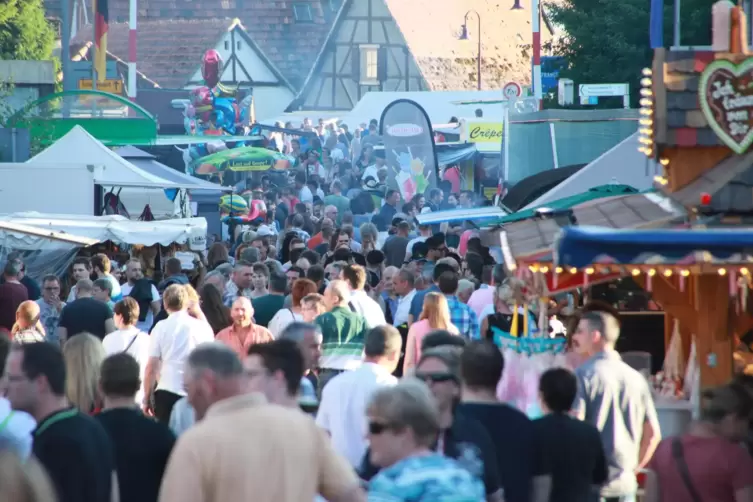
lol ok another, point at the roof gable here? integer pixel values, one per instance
(290, 45)
(445, 62)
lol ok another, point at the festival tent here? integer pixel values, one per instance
(476, 215)
(439, 105)
(110, 169)
(623, 164)
(582, 246)
(49, 242)
(566, 203)
(204, 196)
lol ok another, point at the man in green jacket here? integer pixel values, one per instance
(343, 333)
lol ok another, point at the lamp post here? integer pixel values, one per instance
(464, 36)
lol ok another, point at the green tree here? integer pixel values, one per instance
(24, 32)
(607, 41)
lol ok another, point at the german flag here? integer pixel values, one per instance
(101, 22)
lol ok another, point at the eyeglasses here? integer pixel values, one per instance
(376, 428)
(436, 377)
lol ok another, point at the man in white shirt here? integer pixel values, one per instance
(80, 270)
(342, 410)
(360, 302)
(403, 283)
(135, 273)
(172, 340)
(302, 190)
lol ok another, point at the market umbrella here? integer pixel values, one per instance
(594, 193)
(242, 159)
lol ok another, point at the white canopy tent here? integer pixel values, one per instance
(439, 105)
(114, 228)
(110, 169)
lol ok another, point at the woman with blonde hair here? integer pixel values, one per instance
(83, 356)
(28, 328)
(24, 481)
(434, 316)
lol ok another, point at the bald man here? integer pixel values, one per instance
(243, 333)
(343, 333)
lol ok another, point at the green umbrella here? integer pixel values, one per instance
(246, 158)
(594, 193)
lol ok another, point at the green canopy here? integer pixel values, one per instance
(594, 193)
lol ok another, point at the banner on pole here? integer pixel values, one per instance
(409, 148)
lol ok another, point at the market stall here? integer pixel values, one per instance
(44, 255)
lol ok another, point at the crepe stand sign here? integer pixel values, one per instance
(726, 98)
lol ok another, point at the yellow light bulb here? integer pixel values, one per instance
(652, 272)
(664, 161)
(590, 270)
(685, 273)
(544, 270)
(647, 72)
(636, 272)
(573, 270)
(744, 271)
(722, 271)
(667, 273)
(558, 270)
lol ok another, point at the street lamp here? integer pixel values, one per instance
(516, 6)
(464, 36)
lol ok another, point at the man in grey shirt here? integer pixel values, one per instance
(616, 399)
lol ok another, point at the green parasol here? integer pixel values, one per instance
(242, 159)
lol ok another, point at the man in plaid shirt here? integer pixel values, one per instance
(461, 315)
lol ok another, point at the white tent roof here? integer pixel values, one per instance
(110, 169)
(623, 164)
(439, 105)
(114, 228)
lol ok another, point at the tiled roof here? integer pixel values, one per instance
(431, 29)
(729, 183)
(685, 123)
(171, 64)
(291, 46)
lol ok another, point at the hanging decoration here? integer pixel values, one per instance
(646, 122)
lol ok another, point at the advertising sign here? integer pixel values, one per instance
(409, 148)
(550, 72)
(484, 132)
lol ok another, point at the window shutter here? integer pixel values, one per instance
(382, 64)
(355, 60)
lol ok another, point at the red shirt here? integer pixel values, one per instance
(452, 174)
(718, 468)
(241, 339)
(315, 241)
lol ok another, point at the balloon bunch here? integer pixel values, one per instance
(213, 109)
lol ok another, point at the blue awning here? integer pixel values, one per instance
(583, 246)
(476, 215)
(449, 154)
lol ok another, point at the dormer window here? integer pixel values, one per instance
(302, 13)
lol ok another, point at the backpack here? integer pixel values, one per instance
(142, 293)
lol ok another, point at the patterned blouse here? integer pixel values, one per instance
(29, 335)
(426, 478)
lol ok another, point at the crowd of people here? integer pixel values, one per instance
(333, 350)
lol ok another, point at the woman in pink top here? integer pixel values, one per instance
(435, 315)
(707, 463)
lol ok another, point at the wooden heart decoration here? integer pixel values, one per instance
(726, 98)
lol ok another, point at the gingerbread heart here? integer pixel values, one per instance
(726, 98)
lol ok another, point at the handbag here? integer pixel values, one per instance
(682, 466)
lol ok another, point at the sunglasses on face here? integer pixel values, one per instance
(376, 428)
(435, 377)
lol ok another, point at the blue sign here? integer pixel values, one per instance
(550, 72)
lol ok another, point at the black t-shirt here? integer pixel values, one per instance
(465, 441)
(513, 442)
(85, 315)
(77, 454)
(570, 451)
(394, 250)
(142, 447)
